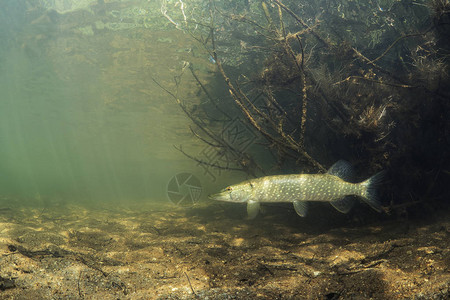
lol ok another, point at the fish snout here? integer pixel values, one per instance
(222, 196)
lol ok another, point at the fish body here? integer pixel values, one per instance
(333, 187)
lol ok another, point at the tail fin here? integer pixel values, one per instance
(370, 192)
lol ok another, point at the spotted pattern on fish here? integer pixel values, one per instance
(298, 188)
(305, 187)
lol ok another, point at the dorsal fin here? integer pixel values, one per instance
(342, 169)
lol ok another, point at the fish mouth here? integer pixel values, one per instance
(222, 196)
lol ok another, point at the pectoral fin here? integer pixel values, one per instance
(252, 209)
(343, 205)
(301, 208)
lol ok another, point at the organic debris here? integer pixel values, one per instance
(158, 251)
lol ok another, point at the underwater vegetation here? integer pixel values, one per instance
(319, 81)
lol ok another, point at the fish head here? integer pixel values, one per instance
(237, 193)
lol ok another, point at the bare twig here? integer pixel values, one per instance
(205, 162)
(197, 122)
(204, 140)
(78, 284)
(375, 81)
(207, 93)
(192, 289)
(299, 20)
(398, 40)
(304, 87)
(371, 63)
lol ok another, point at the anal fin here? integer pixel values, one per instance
(301, 207)
(343, 205)
(252, 209)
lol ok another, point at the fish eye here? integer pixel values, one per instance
(228, 189)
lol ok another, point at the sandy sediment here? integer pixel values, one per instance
(210, 251)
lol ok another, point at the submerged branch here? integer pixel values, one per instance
(375, 81)
(371, 63)
(202, 162)
(299, 20)
(190, 116)
(398, 40)
(211, 100)
(203, 139)
(286, 141)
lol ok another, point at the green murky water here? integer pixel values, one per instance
(88, 163)
(80, 117)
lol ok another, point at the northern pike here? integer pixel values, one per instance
(333, 187)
